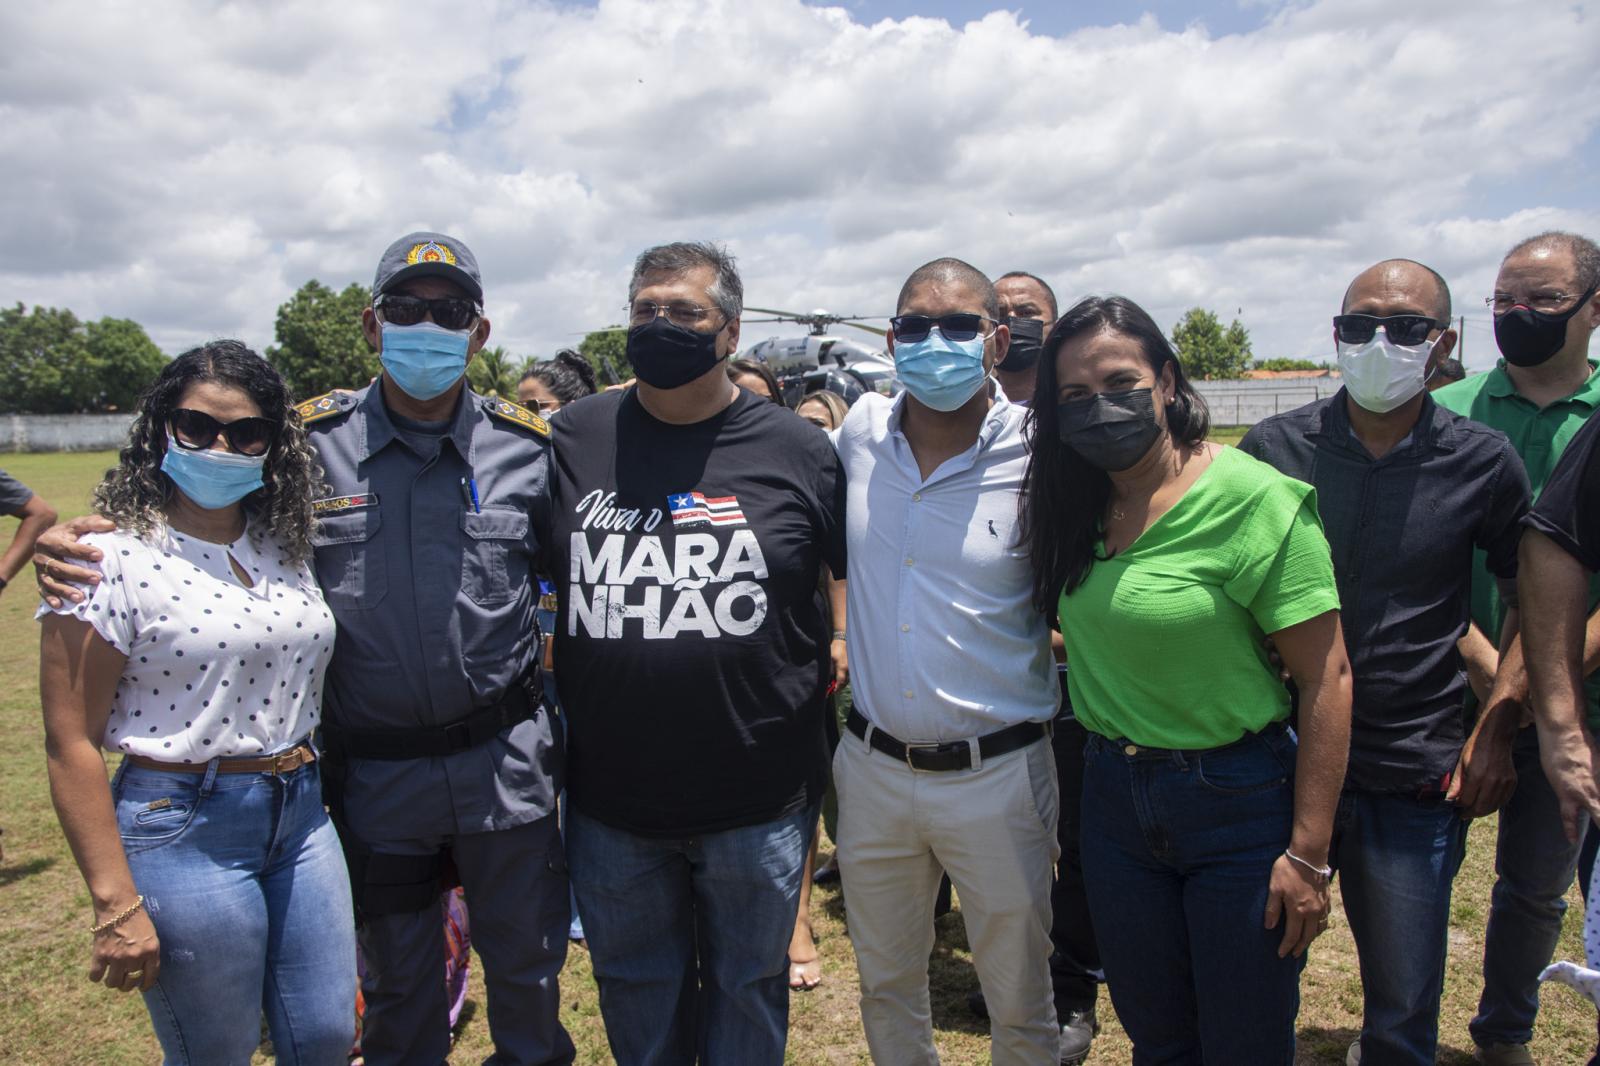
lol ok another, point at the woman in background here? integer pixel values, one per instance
(547, 386)
(757, 377)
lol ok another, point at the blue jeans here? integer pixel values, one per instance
(1397, 856)
(1534, 867)
(690, 938)
(244, 880)
(1178, 850)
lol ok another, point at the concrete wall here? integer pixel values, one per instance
(63, 433)
(1244, 403)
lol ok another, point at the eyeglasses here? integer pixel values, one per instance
(195, 431)
(450, 312)
(957, 327)
(1402, 329)
(687, 315)
(547, 405)
(1544, 301)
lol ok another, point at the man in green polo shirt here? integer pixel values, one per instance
(1545, 387)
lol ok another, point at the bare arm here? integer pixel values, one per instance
(1482, 661)
(838, 589)
(78, 674)
(37, 516)
(1485, 777)
(1314, 654)
(1555, 590)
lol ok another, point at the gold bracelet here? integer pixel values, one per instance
(119, 919)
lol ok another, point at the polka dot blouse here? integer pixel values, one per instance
(214, 668)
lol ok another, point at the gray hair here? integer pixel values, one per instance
(952, 271)
(1585, 253)
(726, 291)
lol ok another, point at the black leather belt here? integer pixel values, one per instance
(953, 755)
(481, 726)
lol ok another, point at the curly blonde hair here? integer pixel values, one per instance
(136, 492)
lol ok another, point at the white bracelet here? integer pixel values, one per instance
(1324, 872)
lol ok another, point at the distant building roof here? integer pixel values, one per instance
(1284, 375)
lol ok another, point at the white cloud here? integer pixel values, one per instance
(190, 164)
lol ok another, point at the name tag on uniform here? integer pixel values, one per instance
(340, 504)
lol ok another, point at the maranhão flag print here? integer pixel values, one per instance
(694, 509)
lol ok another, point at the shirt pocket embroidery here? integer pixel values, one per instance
(350, 558)
(492, 535)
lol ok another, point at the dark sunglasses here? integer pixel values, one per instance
(957, 327)
(196, 431)
(450, 312)
(1401, 329)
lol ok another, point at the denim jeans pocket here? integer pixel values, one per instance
(155, 808)
(1257, 763)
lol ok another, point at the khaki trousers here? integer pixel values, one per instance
(993, 830)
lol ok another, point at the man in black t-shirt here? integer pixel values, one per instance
(690, 522)
(1560, 549)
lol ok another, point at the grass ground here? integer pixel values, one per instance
(49, 1013)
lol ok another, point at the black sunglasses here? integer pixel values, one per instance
(957, 327)
(196, 431)
(450, 312)
(1401, 329)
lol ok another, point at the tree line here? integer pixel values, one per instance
(51, 362)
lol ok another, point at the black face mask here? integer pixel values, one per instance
(1027, 338)
(1111, 430)
(665, 355)
(1527, 337)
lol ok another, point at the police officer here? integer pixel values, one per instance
(445, 761)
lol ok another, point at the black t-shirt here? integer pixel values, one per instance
(1568, 511)
(692, 640)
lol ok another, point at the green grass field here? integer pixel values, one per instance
(50, 1014)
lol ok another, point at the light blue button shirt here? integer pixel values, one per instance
(944, 641)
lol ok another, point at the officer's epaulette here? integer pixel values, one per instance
(516, 414)
(325, 406)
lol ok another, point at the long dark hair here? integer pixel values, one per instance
(568, 376)
(1063, 497)
(135, 493)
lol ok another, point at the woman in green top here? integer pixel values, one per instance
(1169, 561)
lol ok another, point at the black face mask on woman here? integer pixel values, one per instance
(1527, 337)
(666, 355)
(1110, 430)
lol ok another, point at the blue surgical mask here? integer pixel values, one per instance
(424, 360)
(940, 373)
(212, 479)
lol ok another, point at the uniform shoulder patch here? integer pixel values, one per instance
(517, 415)
(325, 406)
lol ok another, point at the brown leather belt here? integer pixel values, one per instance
(285, 762)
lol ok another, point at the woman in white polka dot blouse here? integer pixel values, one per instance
(218, 886)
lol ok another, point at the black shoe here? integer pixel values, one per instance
(1078, 1030)
(976, 1004)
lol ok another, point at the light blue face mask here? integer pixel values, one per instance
(940, 373)
(211, 479)
(424, 360)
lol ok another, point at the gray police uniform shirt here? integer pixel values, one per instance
(14, 495)
(435, 598)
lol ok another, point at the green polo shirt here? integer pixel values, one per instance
(1539, 436)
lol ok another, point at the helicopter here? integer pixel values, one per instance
(804, 365)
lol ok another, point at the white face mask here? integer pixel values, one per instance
(1382, 375)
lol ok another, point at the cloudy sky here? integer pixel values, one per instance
(190, 164)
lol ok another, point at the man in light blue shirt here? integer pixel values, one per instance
(947, 763)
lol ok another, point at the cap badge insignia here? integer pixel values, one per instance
(430, 252)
